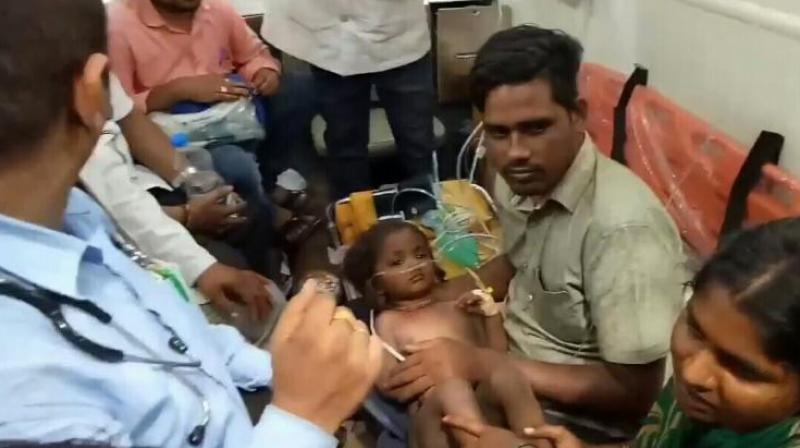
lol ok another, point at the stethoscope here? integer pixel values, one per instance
(50, 304)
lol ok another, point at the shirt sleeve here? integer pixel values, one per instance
(107, 176)
(634, 283)
(249, 366)
(121, 103)
(249, 53)
(279, 428)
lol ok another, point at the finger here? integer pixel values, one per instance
(412, 390)
(232, 209)
(221, 301)
(555, 434)
(234, 221)
(319, 315)
(422, 346)
(237, 90)
(220, 97)
(295, 311)
(406, 377)
(219, 193)
(468, 425)
(260, 301)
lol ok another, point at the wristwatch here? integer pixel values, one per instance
(182, 176)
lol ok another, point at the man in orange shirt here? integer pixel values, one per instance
(166, 52)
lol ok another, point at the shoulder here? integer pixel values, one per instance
(223, 9)
(121, 14)
(621, 202)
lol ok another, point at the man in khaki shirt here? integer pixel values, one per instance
(593, 265)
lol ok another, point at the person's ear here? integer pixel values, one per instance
(579, 115)
(91, 102)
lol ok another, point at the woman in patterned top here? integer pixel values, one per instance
(735, 351)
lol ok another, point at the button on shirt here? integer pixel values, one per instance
(600, 268)
(349, 37)
(53, 392)
(146, 52)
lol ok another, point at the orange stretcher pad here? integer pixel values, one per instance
(690, 165)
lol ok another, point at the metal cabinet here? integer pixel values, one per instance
(459, 30)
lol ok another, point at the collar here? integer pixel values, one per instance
(150, 16)
(51, 259)
(572, 187)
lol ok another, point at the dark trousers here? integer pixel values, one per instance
(408, 96)
(288, 128)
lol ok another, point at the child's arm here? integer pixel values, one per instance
(384, 328)
(496, 337)
(482, 304)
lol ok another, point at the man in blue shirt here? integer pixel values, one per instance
(169, 379)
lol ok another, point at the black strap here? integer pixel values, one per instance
(49, 304)
(767, 149)
(639, 77)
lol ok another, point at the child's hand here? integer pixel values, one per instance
(478, 302)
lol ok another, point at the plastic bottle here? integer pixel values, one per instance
(197, 165)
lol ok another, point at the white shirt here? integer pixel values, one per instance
(121, 187)
(349, 37)
(53, 392)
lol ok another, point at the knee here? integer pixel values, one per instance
(237, 165)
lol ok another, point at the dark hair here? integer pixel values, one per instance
(43, 45)
(360, 261)
(522, 54)
(760, 268)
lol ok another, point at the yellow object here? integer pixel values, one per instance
(363, 211)
(357, 215)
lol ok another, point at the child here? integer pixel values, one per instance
(393, 263)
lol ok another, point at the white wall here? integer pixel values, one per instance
(739, 76)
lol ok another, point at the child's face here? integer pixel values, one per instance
(405, 269)
(722, 374)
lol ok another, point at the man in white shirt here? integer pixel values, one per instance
(111, 177)
(353, 46)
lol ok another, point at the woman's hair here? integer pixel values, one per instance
(760, 268)
(360, 261)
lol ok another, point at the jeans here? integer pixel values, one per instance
(288, 127)
(408, 96)
(240, 170)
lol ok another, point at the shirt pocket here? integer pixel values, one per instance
(557, 312)
(314, 15)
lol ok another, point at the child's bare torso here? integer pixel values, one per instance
(436, 320)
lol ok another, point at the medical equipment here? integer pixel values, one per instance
(50, 304)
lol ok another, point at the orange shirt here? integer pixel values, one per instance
(147, 52)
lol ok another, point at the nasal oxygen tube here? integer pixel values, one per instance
(453, 240)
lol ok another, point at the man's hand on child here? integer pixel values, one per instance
(479, 302)
(487, 436)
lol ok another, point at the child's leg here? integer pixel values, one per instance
(454, 397)
(509, 389)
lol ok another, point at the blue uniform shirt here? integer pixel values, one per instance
(51, 391)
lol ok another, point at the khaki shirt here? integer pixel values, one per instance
(600, 267)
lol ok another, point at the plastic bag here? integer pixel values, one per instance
(219, 124)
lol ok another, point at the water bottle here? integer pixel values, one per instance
(197, 165)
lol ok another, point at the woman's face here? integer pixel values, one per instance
(405, 269)
(722, 373)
